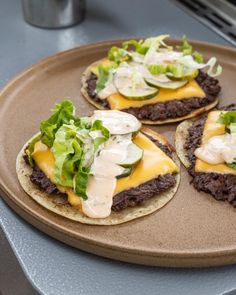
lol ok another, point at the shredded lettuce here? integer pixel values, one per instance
(197, 57)
(213, 71)
(104, 74)
(138, 46)
(187, 49)
(190, 63)
(157, 42)
(118, 55)
(102, 78)
(186, 65)
(229, 120)
(176, 71)
(232, 165)
(62, 114)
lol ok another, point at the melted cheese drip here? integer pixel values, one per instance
(211, 129)
(154, 162)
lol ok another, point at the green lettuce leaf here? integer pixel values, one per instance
(71, 164)
(81, 182)
(187, 49)
(62, 114)
(67, 152)
(118, 55)
(232, 165)
(138, 47)
(102, 77)
(198, 57)
(228, 118)
(97, 125)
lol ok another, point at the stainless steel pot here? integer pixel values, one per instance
(53, 13)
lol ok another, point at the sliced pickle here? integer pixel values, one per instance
(134, 155)
(168, 85)
(139, 93)
(126, 172)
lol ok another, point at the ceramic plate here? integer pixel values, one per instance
(191, 230)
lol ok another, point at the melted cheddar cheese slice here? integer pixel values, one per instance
(212, 128)
(118, 102)
(154, 163)
(191, 89)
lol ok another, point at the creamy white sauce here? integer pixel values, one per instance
(130, 75)
(102, 183)
(154, 57)
(117, 122)
(219, 149)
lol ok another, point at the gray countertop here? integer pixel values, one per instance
(29, 259)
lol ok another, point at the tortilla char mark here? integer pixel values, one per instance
(220, 186)
(127, 198)
(170, 109)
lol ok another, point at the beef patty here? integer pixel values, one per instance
(220, 186)
(127, 198)
(166, 110)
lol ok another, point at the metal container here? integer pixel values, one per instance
(53, 13)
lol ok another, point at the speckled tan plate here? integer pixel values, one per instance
(192, 230)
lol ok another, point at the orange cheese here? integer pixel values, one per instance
(154, 162)
(191, 89)
(212, 128)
